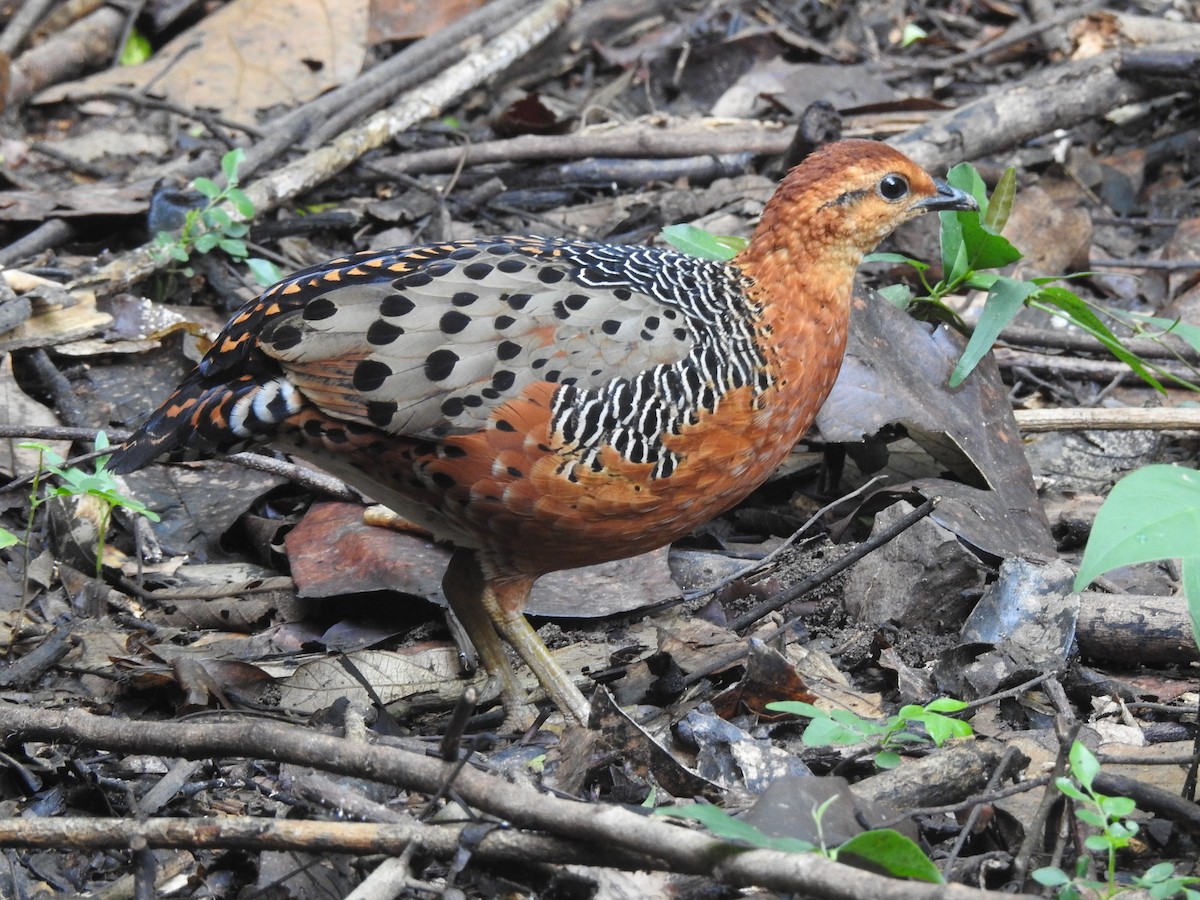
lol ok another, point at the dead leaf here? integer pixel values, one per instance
(896, 372)
(370, 558)
(18, 408)
(247, 56)
(405, 20)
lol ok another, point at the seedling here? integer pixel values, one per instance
(1109, 816)
(210, 226)
(840, 727)
(99, 484)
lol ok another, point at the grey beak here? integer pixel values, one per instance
(947, 198)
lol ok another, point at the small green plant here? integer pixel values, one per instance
(840, 727)
(210, 226)
(885, 847)
(971, 244)
(99, 484)
(1109, 816)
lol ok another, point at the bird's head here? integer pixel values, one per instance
(842, 200)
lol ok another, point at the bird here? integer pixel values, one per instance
(544, 403)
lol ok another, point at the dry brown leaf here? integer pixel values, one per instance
(18, 408)
(402, 20)
(247, 56)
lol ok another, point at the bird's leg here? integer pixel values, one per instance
(489, 609)
(465, 590)
(504, 603)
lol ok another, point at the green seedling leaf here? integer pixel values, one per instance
(7, 538)
(1084, 765)
(137, 49)
(896, 853)
(887, 759)
(206, 242)
(243, 204)
(695, 241)
(234, 247)
(942, 728)
(912, 33)
(946, 705)
(1067, 786)
(1050, 876)
(217, 218)
(725, 826)
(899, 258)
(207, 187)
(231, 162)
(1005, 300)
(1000, 205)
(1152, 513)
(899, 295)
(264, 271)
(825, 732)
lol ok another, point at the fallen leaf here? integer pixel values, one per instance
(247, 56)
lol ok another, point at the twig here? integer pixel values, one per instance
(643, 140)
(1103, 419)
(600, 827)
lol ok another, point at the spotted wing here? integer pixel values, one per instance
(427, 343)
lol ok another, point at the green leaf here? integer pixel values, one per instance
(179, 253)
(895, 852)
(946, 705)
(234, 247)
(7, 538)
(725, 826)
(797, 708)
(1050, 876)
(236, 229)
(887, 759)
(1091, 817)
(243, 204)
(206, 242)
(137, 49)
(825, 732)
(217, 218)
(207, 187)
(264, 271)
(1079, 314)
(1152, 513)
(696, 241)
(1000, 205)
(898, 295)
(1005, 300)
(896, 258)
(1084, 765)
(1158, 872)
(942, 728)
(912, 33)
(1097, 843)
(1067, 786)
(1117, 807)
(230, 163)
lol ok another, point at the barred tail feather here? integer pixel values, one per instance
(205, 417)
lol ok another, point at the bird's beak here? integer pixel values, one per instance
(947, 198)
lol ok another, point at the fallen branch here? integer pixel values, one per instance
(597, 825)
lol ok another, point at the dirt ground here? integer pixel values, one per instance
(256, 693)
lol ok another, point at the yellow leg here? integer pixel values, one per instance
(489, 610)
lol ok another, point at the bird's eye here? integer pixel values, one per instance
(893, 187)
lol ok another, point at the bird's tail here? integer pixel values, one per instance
(205, 417)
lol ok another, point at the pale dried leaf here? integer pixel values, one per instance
(247, 56)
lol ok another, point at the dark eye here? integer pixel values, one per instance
(893, 187)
